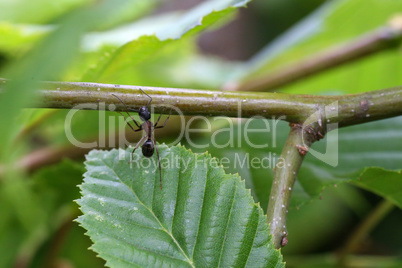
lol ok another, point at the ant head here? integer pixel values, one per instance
(144, 114)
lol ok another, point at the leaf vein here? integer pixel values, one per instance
(227, 223)
(202, 209)
(156, 218)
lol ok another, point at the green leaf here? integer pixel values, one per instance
(187, 68)
(48, 11)
(61, 46)
(386, 183)
(36, 11)
(376, 144)
(364, 150)
(337, 23)
(201, 218)
(53, 180)
(17, 39)
(74, 247)
(132, 56)
(306, 225)
(32, 210)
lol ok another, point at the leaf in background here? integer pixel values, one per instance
(31, 210)
(56, 185)
(125, 11)
(198, 71)
(36, 11)
(385, 183)
(362, 148)
(18, 39)
(133, 55)
(58, 182)
(75, 249)
(48, 11)
(303, 30)
(201, 218)
(375, 144)
(85, 127)
(45, 62)
(12, 235)
(340, 23)
(327, 217)
(118, 36)
(186, 68)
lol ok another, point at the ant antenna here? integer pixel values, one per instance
(125, 119)
(121, 101)
(148, 97)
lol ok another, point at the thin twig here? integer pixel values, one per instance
(365, 227)
(52, 155)
(58, 240)
(34, 124)
(385, 38)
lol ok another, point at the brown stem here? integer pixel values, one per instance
(296, 147)
(385, 38)
(52, 155)
(351, 109)
(58, 240)
(33, 125)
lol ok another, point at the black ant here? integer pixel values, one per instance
(149, 145)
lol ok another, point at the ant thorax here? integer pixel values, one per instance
(148, 128)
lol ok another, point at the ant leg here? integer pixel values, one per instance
(148, 97)
(135, 122)
(135, 130)
(164, 124)
(138, 144)
(159, 162)
(157, 120)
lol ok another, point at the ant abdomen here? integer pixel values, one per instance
(148, 148)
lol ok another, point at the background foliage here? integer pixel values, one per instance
(193, 45)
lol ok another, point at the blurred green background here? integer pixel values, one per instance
(161, 43)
